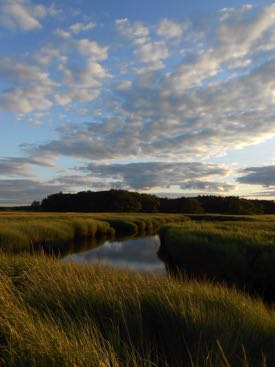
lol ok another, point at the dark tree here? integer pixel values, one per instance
(126, 201)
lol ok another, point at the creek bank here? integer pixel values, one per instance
(205, 254)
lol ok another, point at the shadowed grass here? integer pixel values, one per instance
(54, 314)
(240, 253)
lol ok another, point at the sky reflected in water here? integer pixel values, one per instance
(138, 254)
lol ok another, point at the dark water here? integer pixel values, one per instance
(138, 254)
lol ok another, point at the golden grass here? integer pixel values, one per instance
(54, 314)
(24, 230)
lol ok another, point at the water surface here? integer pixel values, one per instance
(138, 254)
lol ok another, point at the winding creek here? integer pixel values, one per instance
(139, 254)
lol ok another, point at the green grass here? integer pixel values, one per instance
(23, 231)
(57, 314)
(54, 314)
(240, 252)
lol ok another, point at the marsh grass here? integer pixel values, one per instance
(239, 253)
(24, 231)
(54, 314)
(62, 314)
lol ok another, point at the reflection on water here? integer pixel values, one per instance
(135, 254)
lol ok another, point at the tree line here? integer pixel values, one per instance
(126, 201)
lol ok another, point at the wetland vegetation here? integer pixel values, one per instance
(55, 314)
(24, 231)
(239, 252)
(61, 313)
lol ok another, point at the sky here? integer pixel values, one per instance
(164, 97)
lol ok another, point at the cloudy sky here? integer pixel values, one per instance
(168, 97)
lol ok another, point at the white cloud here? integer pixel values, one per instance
(81, 27)
(19, 72)
(82, 83)
(76, 94)
(25, 100)
(23, 14)
(29, 90)
(170, 29)
(46, 55)
(194, 72)
(137, 31)
(87, 76)
(149, 175)
(159, 120)
(209, 97)
(152, 53)
(62, 33)
(74, 29)
(238, 33)
(123, 85)
(92, 49)
(83, 79)
(63, 98)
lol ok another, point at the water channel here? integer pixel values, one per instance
(139, 254)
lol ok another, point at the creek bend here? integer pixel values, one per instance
(138, 253)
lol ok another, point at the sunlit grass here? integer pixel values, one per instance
(19, 231)
(55, 314)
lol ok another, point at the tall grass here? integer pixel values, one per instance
(22, 231)
(54, 314)
(240, 253)
(27, 234)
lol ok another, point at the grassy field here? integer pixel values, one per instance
(24, 231)
(239, 252)
(54, 314)
(57, 314)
